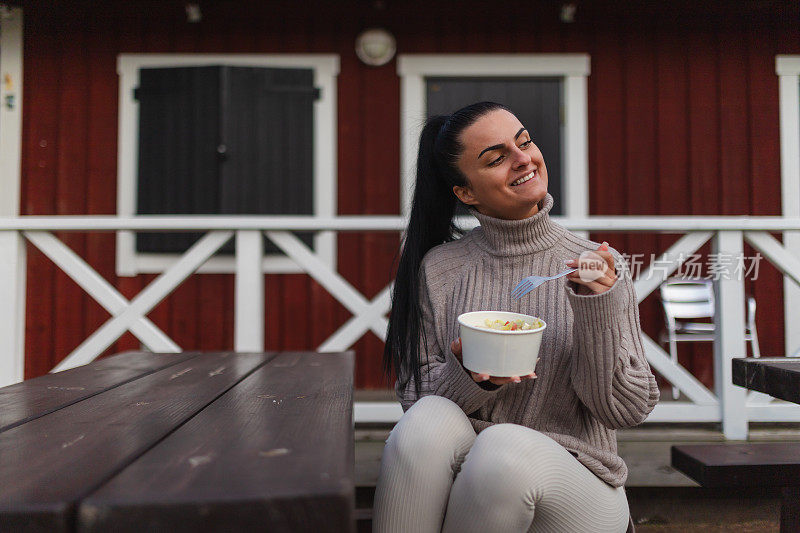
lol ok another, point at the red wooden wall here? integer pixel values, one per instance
(683, 119)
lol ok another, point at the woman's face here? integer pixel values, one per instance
(505, 171)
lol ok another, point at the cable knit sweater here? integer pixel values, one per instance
(592, 373)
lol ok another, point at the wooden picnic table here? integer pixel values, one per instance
(777, 376)
(773, 464)
(181, 442)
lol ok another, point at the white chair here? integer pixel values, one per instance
(684, 299)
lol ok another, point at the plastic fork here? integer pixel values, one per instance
(531, 282)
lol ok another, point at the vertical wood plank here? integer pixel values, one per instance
(101, 148)
(640, 123)
(672, 163)
(421, 36)
(186, 36)
(704, 143)
(379, 123)
(641, 151)
(273, 312)
(762, 108)
(131, 40)
(578, 36)
(324, 309)
(72, 185)
(295, 312)
(39, 169)
(350, 163)
(608, 193)
(452, 35)
(704, 154)
(381, 196)
(184, 312)
(227, 298)
(764, 175)
(207, 332)
(212, 302)
(734, 123)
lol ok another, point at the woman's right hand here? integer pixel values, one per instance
(455, 347)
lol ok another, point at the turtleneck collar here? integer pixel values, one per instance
(518, 237)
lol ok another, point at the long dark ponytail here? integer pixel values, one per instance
(430, 223)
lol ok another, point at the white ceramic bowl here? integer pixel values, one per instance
(497, 352)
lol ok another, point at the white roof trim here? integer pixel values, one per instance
(494, 64)
(325, 64)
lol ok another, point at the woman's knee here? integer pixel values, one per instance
(507, 456)
(433, 426)
(511, 442)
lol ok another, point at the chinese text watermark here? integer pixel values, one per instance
(713, 266)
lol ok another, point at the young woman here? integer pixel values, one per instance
(524, 453)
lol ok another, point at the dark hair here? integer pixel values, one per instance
(430, 223)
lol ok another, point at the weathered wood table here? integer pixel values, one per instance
(777, 376)
(774, 464)
(181, 442)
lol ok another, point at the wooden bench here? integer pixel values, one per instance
(769, 464)
(181, 442)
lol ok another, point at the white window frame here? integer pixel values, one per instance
(788, 70)
(573, 69)
(326, 69)
(12, 245)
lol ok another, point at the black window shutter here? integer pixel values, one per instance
(178, 133)
(223, 140)
(268, 131)
(536, 102)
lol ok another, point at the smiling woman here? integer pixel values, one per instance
(475, 452)
(507, 179)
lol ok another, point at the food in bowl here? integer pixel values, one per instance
(512, 325)
(491, 344)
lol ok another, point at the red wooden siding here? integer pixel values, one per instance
(683, 119)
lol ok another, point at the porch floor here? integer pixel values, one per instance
(661, 498)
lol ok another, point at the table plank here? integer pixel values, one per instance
(776, 376)
(740, 465)
(36, 397)
(275, 453)
(47, 464)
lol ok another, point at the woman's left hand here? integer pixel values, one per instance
(596, 273)
(455, 347)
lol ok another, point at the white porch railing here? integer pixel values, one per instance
(728, 404)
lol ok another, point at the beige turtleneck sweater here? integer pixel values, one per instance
(592, 373)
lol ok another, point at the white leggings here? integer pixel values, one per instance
(437, 475)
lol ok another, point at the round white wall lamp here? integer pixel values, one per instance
(375, 46)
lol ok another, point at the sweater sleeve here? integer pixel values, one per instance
(610, 373)
(441, 372)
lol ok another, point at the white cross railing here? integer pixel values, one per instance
(728, 404)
